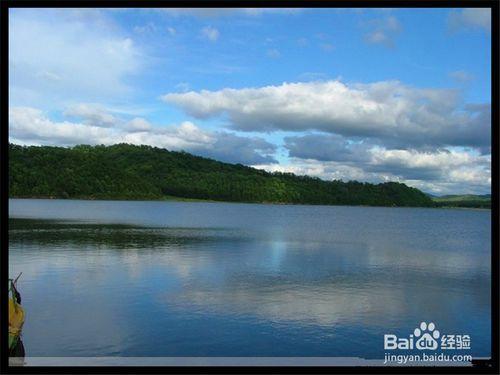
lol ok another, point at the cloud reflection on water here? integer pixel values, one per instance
(277, 280)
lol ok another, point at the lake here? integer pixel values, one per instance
(193, 279)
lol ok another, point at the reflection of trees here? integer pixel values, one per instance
(53, 233)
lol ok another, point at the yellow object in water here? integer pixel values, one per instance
(16, 321)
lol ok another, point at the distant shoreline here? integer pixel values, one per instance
(143, 172)
(195, 200)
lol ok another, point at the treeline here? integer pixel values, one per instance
(469, 201)
(465, 204)
(125, 171)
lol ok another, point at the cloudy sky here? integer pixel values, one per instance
(353, 94)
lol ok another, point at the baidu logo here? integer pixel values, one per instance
(423, 343)
(427, 336)
(424, 337)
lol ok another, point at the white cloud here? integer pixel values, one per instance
(94, 115)
(440, 172)
(416, 159)
(374, 162)
(391, 111)
(57, 56)
(210, 33)
(324, 170)
(377, 36)
(185, 136)
(461, 76)
(30, 126)
(383, 31)
(470, 18)
(457, 166)
(138, 124)
(328, 156)
(172, 31)
(327, 147)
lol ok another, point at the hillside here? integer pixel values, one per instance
(466, 200)
(142, 172)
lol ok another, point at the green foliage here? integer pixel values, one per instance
(469, 200)
(125, 171)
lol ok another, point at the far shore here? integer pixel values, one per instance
(169, 198)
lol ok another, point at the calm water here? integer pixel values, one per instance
(110, 278)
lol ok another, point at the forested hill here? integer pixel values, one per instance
(142, 172)
(467, 200)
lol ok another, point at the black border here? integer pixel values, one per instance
(479, 367)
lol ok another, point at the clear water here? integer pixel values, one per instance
(112, 278)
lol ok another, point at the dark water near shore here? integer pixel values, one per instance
(111, 278)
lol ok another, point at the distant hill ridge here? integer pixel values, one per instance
(464, 200)
(464, 197)
(124, 171)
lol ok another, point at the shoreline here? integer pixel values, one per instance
(197, 200)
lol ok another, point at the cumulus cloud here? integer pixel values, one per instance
(210, 33)
(470, 19)
(328, 156)
(327, 147)
(243, 150)
(31, 126)
(325, 170)
(389, 111)
(383, 31)
(377, 132)
(92, 115)
(336, 156)
(138, 124)
(56, 56)
(441, 165)
(439, 172)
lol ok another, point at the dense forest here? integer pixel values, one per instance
(125, 171)
(472, 201)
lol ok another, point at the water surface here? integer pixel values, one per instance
(112, 278)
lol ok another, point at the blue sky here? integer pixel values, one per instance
(367, 94)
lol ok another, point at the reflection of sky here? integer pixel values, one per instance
(300, 289)
(278, 252)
